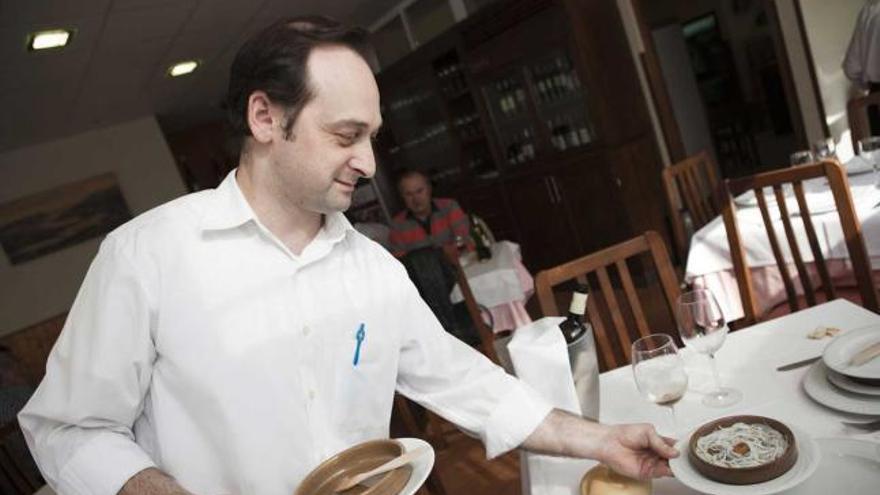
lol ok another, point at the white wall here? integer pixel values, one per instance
(829, 26)
(135, 151)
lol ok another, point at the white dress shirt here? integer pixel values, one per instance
(201, 345)
(862, 62)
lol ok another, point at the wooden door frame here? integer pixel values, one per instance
(660, 95)
(657, 85)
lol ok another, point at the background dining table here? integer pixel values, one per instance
(709, 262)
(747, 361)
(501, 284)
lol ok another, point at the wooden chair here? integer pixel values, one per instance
(598, 263)
(857, 114)
(690, 189)
(486, 334)
(795, 176)
(15, 478)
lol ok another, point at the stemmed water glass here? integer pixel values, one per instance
(659, 371)
(825, 149)
(803, 157)
(703, 329)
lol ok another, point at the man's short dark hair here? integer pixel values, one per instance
(411, 172)
(274, 61)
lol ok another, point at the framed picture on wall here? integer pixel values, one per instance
(45, 222)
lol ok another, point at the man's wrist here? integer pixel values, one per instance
(152, 481)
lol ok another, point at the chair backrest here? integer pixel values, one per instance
(795, 176)
(598, 263)
(15, 477)
(486, 334)
(857, 114)
(690, 187)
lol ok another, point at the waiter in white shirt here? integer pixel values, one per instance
(229, 341)
(862, 62)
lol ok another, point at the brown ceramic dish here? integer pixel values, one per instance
(747, 475)
(361, 458)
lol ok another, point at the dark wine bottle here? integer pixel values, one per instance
(575, 326)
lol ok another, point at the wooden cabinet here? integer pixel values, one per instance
(544, 129)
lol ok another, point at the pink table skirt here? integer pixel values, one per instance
(770, 289)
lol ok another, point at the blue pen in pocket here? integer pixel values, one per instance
(359, 336)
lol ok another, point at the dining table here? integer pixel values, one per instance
(747, 361)
(709, 262)
(501, 284)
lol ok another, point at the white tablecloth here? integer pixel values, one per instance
(748, 362)
(709, 263)
(502, 284)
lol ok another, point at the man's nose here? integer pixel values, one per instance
(364, 161)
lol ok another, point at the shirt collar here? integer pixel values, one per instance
(232, 210)
(412, 215)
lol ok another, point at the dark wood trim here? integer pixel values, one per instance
(811, 66)
(794, 106)
(657, 85)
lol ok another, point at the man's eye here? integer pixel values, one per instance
(347, 138)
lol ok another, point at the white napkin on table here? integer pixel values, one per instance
(540, 358)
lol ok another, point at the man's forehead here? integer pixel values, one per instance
(345, 89)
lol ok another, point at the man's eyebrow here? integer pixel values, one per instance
(339, 124)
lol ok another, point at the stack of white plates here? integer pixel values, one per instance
(834, 382)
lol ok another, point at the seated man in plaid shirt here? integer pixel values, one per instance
(426, 221)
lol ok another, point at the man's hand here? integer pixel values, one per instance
(637, 451)
(634, 450)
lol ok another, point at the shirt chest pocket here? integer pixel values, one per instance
(361, 359)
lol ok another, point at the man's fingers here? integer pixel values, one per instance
(662, 445)
(662, 469)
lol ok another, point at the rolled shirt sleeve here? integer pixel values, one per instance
(79, 422)
(452, 379)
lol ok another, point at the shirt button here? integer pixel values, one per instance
(311, 395)
(306, 330)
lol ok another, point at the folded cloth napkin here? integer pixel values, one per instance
(540, 358)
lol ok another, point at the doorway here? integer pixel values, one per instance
(721, 74)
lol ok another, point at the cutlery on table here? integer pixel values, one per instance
(399, 461)
(798, 364)
(865, 355)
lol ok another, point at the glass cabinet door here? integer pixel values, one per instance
(507, 99)
(561, 101)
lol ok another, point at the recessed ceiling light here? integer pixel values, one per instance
(182, 68)
(52, 38)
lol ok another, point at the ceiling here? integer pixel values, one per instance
(114, 68)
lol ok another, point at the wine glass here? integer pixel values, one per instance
(659, 371)
(825, 149)
(802, 157)
(702, 328)
(869, 149)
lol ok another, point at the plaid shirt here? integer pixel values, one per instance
(446, 221)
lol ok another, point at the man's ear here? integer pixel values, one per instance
(260, 117)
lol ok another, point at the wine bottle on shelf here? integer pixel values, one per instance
(576, 324)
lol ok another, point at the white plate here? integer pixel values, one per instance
(848, 466)
(807, 462)
(817, 386)
(846, 345)
(421, 466)
(846, 383)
